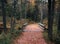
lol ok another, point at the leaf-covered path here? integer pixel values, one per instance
(33, 34)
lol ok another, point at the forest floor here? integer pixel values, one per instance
(33, 34)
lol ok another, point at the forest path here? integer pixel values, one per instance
(33, 34)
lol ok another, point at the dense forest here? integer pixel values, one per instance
(16, 14)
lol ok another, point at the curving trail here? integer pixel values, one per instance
(33, 34)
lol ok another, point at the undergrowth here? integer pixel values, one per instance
(8, 38)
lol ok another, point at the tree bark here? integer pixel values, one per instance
(3, 3)
(58, 18)
(21, 10)
(14, 19)
(59, 15)
(50, 17)
(41, 10)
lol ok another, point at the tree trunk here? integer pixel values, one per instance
(3, 3)
(41, 10)
(14, 19)
(21, 10)
(36, 11)
(50, 17)
(58, 33)
(59, 16)
(25, 8)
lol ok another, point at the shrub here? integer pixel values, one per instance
(9, 37)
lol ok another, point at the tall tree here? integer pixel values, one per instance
(35, 13)
(15, 5)
(41, 10)
(13, 16)
(58, 15)
(50, 17)
(36, 10)
(58, 10)
(14, 12)
(25, 8)
(3, 3)
(21, 9)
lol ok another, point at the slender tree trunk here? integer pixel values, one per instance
(25, 8)
(41, 10)
(21, 10)
(11, 23)
(3, 3)
(14, 19)
(13, 16)
(50, 17)
(36, 11)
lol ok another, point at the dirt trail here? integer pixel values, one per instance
(33, 35)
